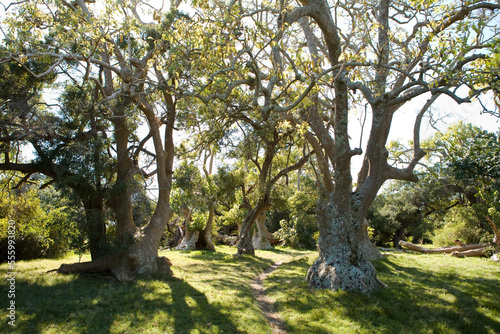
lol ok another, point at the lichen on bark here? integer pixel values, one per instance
(341, 264)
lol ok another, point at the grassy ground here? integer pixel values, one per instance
(210, 294)
(427, 294)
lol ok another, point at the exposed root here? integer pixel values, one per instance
(123, 268)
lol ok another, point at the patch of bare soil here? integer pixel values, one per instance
(265, 303)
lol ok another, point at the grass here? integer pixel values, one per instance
(427, 294)
(210, 294)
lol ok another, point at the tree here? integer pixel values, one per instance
(467, 160)
(409, 211)
(58, 145)
(448, 202)
(94, 44)
(245, 57)
(391, 53)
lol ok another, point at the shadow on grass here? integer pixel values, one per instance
(229, 273)
(97, 304)
(418, 301)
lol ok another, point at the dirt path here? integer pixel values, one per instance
(265, 303)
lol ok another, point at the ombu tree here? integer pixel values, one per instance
(235, 74)
(128, 61)
(385, 54)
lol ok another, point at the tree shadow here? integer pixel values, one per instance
(230, 273)
(416, 301)
(97, 304)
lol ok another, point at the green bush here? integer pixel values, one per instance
(298, 231)
(41, 229)
(461, 224)
(288, 233)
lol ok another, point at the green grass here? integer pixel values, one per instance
(427, 294)
(210, 294)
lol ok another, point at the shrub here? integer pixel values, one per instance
(461, 224)
(42, 229)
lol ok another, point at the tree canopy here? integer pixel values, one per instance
(269, 84)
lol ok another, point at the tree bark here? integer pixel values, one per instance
(261, 237)
(478, 252)
(205, 240)
(189, 243)
(340, 265)
(121, 202)
(367, 249)
(496, 233)
(96, 228)
(177, 238)
(245, 245)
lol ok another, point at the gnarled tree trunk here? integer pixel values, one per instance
(340, 264)
(96, 227)
(245, 245)
(205, 240)
(261, 237)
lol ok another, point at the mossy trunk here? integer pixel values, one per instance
(340, 265)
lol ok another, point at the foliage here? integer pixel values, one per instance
(298, 230)
(462, 224)
(45, 223)
(407, 210)
(456, 192)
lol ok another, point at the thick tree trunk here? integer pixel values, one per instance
(96, 228)
(397, 236)
(179, 235)
(340, 265)
(142, 257)
(245, 245)
(189, 243)
(139, 258)
(121, 202)
(205, 240)
(261, 237)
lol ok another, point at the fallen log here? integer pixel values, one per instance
(447, 250)
(470, 253)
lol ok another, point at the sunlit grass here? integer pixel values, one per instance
(427, 294)
(210, 294)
